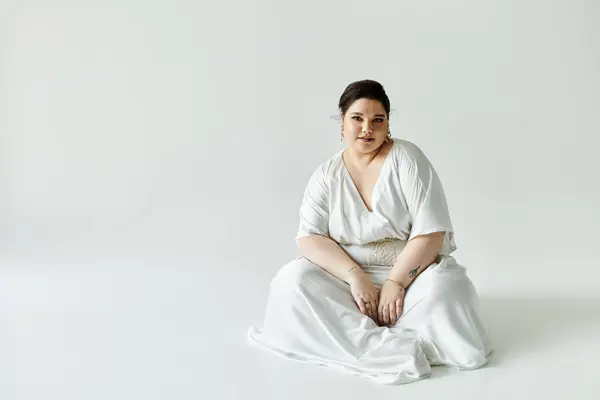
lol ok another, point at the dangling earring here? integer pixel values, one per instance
(389, 136)
(342, 135)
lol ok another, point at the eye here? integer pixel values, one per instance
(357, 118)
(380, 120)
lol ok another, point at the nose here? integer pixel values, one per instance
(367, 128)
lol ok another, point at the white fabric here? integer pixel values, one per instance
(310, 314)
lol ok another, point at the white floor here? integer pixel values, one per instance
(145, 316)
(153, 156)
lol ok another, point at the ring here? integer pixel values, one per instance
(368, 305)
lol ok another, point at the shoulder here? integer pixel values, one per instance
(407, 148)
(328, 169)
(409, 152)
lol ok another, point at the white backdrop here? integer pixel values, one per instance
(154, 154)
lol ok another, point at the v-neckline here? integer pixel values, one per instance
(375, 186)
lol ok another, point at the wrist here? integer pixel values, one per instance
(396, 282)
(354, 273)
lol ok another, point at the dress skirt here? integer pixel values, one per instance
(312, 317)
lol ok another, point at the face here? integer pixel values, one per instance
(365, 118)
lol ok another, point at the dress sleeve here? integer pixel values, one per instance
(314, 209)
(425, 197)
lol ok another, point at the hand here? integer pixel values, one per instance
(391, 301)
(365, 293)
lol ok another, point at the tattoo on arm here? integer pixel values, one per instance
(412, 274)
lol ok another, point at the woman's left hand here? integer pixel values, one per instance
(391, 301)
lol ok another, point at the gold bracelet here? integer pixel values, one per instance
(396, 282)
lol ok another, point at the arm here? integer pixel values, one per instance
(430, 226)
(316, 245)
(313, 232)
(327, 254)
(419, 253)
(429, 215)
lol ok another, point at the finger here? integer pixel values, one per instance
(361, 306)
(386, 317)
(374, 309)
(399, 305)
(368, 308)
(392, 310)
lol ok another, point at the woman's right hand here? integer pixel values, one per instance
(365, 294)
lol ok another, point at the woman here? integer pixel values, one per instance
(376, 292)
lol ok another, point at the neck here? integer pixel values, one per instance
(362, 159)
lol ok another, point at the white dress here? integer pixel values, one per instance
(311, 315)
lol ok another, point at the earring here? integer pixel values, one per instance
(342, 135)
(389, 135)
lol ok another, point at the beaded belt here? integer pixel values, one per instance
(382, 252)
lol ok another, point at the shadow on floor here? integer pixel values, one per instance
(521, 325)
(530, 324)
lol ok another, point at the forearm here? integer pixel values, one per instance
(327, 254)
(418, 254)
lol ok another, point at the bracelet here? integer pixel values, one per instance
(396, 282)
(351, 269)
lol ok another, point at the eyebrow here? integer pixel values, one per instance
(376, 115)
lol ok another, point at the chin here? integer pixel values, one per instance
(368, 146)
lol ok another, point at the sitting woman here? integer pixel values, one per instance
(376, 292)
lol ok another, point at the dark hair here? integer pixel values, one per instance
(365, 89)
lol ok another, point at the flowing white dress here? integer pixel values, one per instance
(311, 315)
